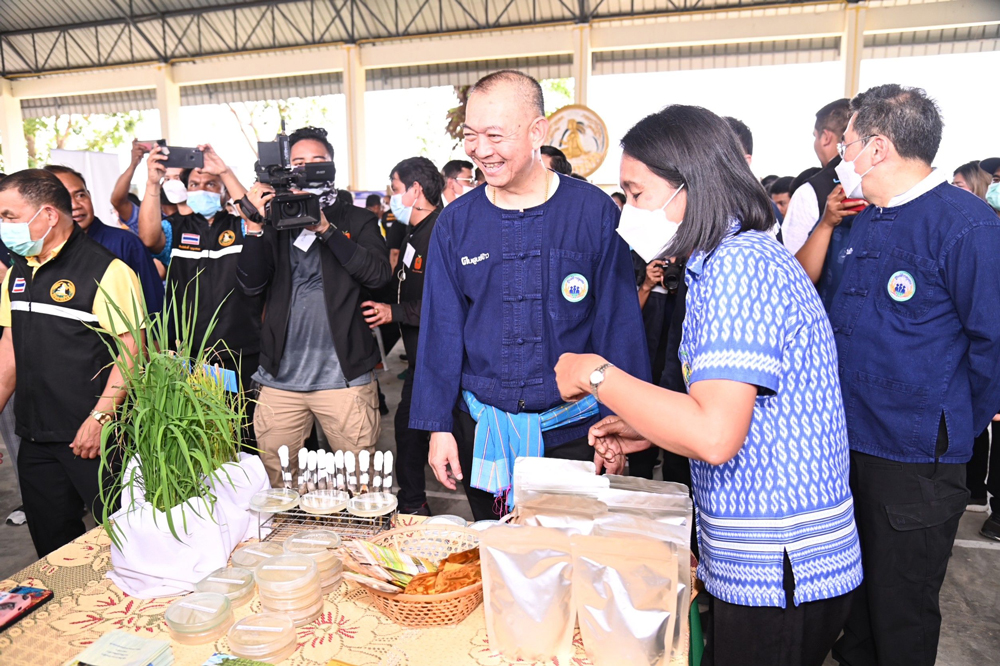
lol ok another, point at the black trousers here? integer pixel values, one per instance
(55, 488)
(792, 636)
(484, 505)
(983, 471)
(907, 516)
(412, 448)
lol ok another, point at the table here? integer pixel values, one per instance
(86, 605)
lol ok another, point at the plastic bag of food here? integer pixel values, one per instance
(554, 476)
(528, 592)
(573, 513)
(626, 599)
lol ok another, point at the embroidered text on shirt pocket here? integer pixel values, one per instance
(906, 284)
(571, 286)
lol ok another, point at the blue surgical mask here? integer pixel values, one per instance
(205, 203)
(401, 212)
(993, 196)
(17, 237)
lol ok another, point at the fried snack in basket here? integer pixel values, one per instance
(458, 571)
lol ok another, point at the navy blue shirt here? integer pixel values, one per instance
(507, 292)
(126, 246)
(917, 325)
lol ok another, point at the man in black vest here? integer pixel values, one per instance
(417, 192)
(58, 311)
(205, 246)
(317, 355)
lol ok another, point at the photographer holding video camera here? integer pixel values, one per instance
(314, 260)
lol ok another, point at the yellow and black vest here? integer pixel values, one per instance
(205, 255)
(63, 364)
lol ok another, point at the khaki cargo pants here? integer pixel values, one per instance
(349, 418)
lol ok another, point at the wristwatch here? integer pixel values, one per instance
(102, 417)
(597, 378)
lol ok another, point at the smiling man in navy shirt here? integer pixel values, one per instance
(916, 325)
(518, 272)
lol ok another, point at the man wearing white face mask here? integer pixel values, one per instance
(458, 180)
(205, 242)
(317, 356)
(915, 324)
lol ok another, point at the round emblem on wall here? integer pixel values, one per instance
(227, 238)
(62, 291)
(901, 286)
(575, 287)
(581, 134)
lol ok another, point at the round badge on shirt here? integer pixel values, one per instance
(575, 287)
(901, 286)
(62, 291)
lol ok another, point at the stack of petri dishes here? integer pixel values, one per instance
(202, 617)
(234, 582)
(319, 545)
(290, 584)
(252, 554)
(267, 637)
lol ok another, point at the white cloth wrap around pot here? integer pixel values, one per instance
(153, 563)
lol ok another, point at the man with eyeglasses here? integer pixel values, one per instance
(458, 180)
(915, 324)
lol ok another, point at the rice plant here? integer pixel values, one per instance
(177, 418)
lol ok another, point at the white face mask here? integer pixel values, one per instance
(175, 191)
(466, 189)
(648, 231)
(851, 179)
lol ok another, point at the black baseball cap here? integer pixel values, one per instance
(990, 165)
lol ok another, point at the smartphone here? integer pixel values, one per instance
(855, 205)
(19, 602)
(183, 158)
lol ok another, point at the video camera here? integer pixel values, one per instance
(288, 209)
(673, 275)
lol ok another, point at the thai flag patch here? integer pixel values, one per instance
(19, 285)
(190, 239)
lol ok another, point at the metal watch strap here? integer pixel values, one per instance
(594, 387)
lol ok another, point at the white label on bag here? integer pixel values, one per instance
(408, 257)
(225, 581)
(277, 567)
(247, 627)
(305, 240)
(203, 609)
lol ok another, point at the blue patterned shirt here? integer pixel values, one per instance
(754, 317)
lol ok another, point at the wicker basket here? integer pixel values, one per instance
(435, 543)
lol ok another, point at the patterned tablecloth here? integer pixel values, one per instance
(87, 604)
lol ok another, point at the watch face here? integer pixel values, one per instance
(596, 377)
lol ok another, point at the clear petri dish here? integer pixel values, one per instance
(324, 502)
(252, 554)
(202, 617)
(372, 504)
(446, 519)
(273, 500)
(288, 575)
(286, 605)
(234, 582)
(266, 637)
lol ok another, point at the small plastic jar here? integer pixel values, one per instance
(202, 617)
(267, 637)
(252, 554)
(234, 582)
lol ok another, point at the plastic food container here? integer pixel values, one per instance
(286, 575)
(273, 500)
(267, 637)
(234, 582)
(370, 505)
(319, 545)
(324, 502)
(202, 617)
(252, 554)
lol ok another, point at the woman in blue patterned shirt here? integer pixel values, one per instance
(763, 418)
